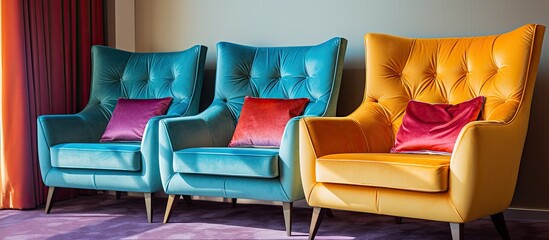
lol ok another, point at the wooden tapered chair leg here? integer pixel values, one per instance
(168, 213)
(49, 204)
(287, 208)
(457, 231)
(233, 202)
(148, 206)
(499, 223)
(318, 215)
(188, 200)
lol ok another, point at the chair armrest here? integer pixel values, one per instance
(365, 130)
(330, 135)
(150, 135)
(212, 128)
(322, 136)
(290, 176)
(289, 166)
(319, 136)
(55, 129)
(149, 151)
(484, 167)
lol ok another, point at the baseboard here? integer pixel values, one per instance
(524, 214)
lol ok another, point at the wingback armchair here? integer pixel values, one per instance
(70, 152)
(346, 162)
(199, 143)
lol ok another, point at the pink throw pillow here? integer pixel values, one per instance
(434, 128)
(130, 116)
(263, 120)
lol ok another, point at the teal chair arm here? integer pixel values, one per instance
(64, 128)
(149, 152)
(212, 128)
(55, 129)
(290, 176)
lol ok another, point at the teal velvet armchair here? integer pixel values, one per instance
(70, 152)
(194, 149)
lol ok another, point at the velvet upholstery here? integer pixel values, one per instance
(418, 172)
(262, 121)
(97, 156)
(483, 167)
(312, 72)
(242, 162)
(70, 153)
(434, 128)
(130, 117)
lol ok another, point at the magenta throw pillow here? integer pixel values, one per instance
(263, 120)
(434, 128)
(130, 116)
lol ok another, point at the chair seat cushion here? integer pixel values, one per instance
(242, 162)
(415, 172)
(105, 156)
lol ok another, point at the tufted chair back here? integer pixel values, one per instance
(450, 70)
(280, 72)
(121, 74)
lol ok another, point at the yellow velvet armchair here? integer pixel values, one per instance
(346, 161)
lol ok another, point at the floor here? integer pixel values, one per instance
(104, 217)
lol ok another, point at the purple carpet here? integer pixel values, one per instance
(103, 217)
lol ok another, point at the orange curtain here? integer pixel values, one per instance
(46, 69)
(17, 169)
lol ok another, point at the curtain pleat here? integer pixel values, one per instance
(46, 69)
(15, 163)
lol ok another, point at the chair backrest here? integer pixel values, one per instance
(451, 70)
(120, 74)
(312, 72)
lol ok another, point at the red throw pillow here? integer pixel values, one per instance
(434, 128)
(262, 121)
(130, 116)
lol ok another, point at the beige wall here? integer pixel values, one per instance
(121, 24)
(168, 25)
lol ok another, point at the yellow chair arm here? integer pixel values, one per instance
(319, 136)
(484, 167)
(329, 135)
